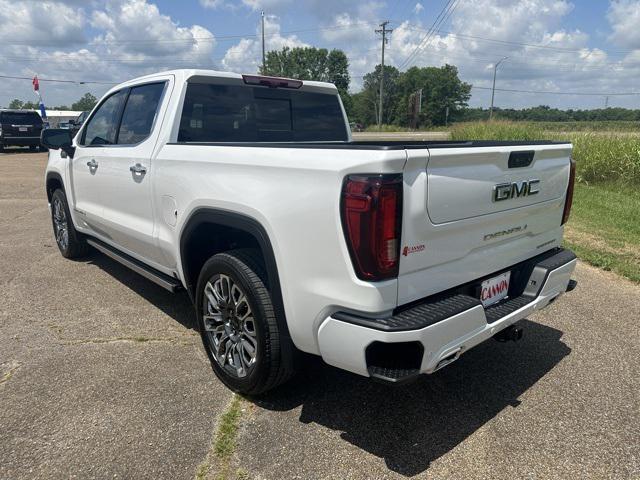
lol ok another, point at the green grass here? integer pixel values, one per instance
(604, 228)
(386, 128)
(224, 444)
(594, 126)
(601, 156)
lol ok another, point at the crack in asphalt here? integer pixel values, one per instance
(14, 366)
(137, 339)
(224, 443)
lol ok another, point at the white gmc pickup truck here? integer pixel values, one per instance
(388, 259)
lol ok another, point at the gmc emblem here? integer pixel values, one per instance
(506, 191)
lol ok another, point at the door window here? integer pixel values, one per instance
(139, 113)
(103, 125)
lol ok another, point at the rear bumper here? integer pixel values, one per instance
(439, 329)
(20, 141)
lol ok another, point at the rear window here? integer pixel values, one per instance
(21, 118)
(236, 113)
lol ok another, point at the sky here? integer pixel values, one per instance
(565, 54)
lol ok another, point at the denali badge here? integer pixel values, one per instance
(502, 233)
(506, 191)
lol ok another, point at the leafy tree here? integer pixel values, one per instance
(19, 104)
(87, 102)
(311, 64)
(367, 102)
(441, 88)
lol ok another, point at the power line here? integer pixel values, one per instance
(510, 42)
(58, 80)
(442, 17)
(213, 37)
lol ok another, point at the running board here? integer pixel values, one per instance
(159, 278)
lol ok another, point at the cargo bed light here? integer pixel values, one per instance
(271, 82)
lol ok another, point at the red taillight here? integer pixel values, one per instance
(372, 218)
(569, 199)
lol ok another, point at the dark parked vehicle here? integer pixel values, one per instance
(20, 128)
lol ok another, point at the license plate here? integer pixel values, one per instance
(495, 289)
(22, 129)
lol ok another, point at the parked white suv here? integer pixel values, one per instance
(388, 259)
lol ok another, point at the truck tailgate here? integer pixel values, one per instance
(472, 211)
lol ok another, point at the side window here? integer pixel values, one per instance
(102, 127)
(139, 113)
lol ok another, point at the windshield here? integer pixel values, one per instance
(21, 118)
(238, 113)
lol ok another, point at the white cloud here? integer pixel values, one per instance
(246, 55)
(267, 5)
(94, 40)
(132, 38)
(211, 3)
(30, 23)
(624, 17)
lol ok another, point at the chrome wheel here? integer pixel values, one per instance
(230, 326)
(60, 224)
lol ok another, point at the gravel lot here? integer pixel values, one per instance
(103, 376)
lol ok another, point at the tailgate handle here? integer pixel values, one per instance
(521, 159)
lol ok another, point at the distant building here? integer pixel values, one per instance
(55, 117)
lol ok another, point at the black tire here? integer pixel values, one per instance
(275, 353)
(75, 245)
(42, 149)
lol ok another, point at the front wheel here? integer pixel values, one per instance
(70, 242)
(238, 324)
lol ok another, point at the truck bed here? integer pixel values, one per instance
(382, 144)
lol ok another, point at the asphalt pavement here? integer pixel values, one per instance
(103, 376)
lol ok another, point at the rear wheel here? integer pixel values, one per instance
(238, 324)
(70, 242)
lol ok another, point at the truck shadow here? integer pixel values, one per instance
(411, 426)
(408, 426)
(177, 305)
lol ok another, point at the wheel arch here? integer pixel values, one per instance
(52, 183)
(213, 224)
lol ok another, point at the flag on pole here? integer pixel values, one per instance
(36, 88)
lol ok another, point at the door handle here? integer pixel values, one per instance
(92, 163)
(138, 168)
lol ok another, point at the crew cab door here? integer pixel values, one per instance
(86, 167)
(127, 172)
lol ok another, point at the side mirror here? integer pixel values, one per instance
(57, 138)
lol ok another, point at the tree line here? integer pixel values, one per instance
(85, 103)
(416, 98)
(419, 97)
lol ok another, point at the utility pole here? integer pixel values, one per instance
(606, 102)
(384, 32)
(263, 54)
(493, 90)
